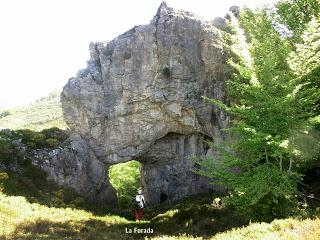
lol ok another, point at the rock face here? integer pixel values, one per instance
(74, 165)
(140, 98)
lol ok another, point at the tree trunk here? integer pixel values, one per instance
(290, 166)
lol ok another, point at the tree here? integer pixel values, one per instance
(258, 168)
(296, 14)
(305, 62)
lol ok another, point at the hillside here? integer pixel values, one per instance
(21, 219)
(44, 113)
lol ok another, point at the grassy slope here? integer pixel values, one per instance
(20, 219)
(44, 113)
(292, 229)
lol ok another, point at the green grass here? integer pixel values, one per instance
(20, 219)
(44, 113)
(285, 229)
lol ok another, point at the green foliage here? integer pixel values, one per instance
(9, 153)
(296, 14)
(39, 139)
(263, 192)
(305, 62)
(52, 142)
(306, 57)
(259, 168)
(267, 48)
(166, 72)
(44, 113)
(55, 133)
(125, 178)
(47, 138)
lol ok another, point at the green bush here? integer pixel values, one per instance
(9, 152)
(31, 138)
(31, 145)
(39, 139)
(52, 142)
(6, 151)
(265, 193)
(166, 72)
(26, 135)
(47, 138)
(55, 133)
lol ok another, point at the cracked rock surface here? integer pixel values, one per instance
(140, 98)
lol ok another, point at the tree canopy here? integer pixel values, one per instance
(274, 93)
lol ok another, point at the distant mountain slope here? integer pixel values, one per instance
(44, 113)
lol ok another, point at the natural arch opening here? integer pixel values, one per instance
(125, 178)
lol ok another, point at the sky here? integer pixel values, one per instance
(43, 43)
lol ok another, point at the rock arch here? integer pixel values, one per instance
(125, 106)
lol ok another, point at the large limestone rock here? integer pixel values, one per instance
(140, 98)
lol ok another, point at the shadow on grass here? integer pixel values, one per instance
(95, 230)
(91, 229)
(190, 219)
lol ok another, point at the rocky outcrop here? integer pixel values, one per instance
(140, 98)
(73, 164)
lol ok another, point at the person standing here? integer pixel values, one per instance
(140, 204)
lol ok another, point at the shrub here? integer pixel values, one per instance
(275, 198)
(47, 138)
(6, 151)
(166, 72)
(39, 139)
(52, 142)
(31, 145)
(35, 174)
(9, 152)
(26, 135)
(56, 133)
